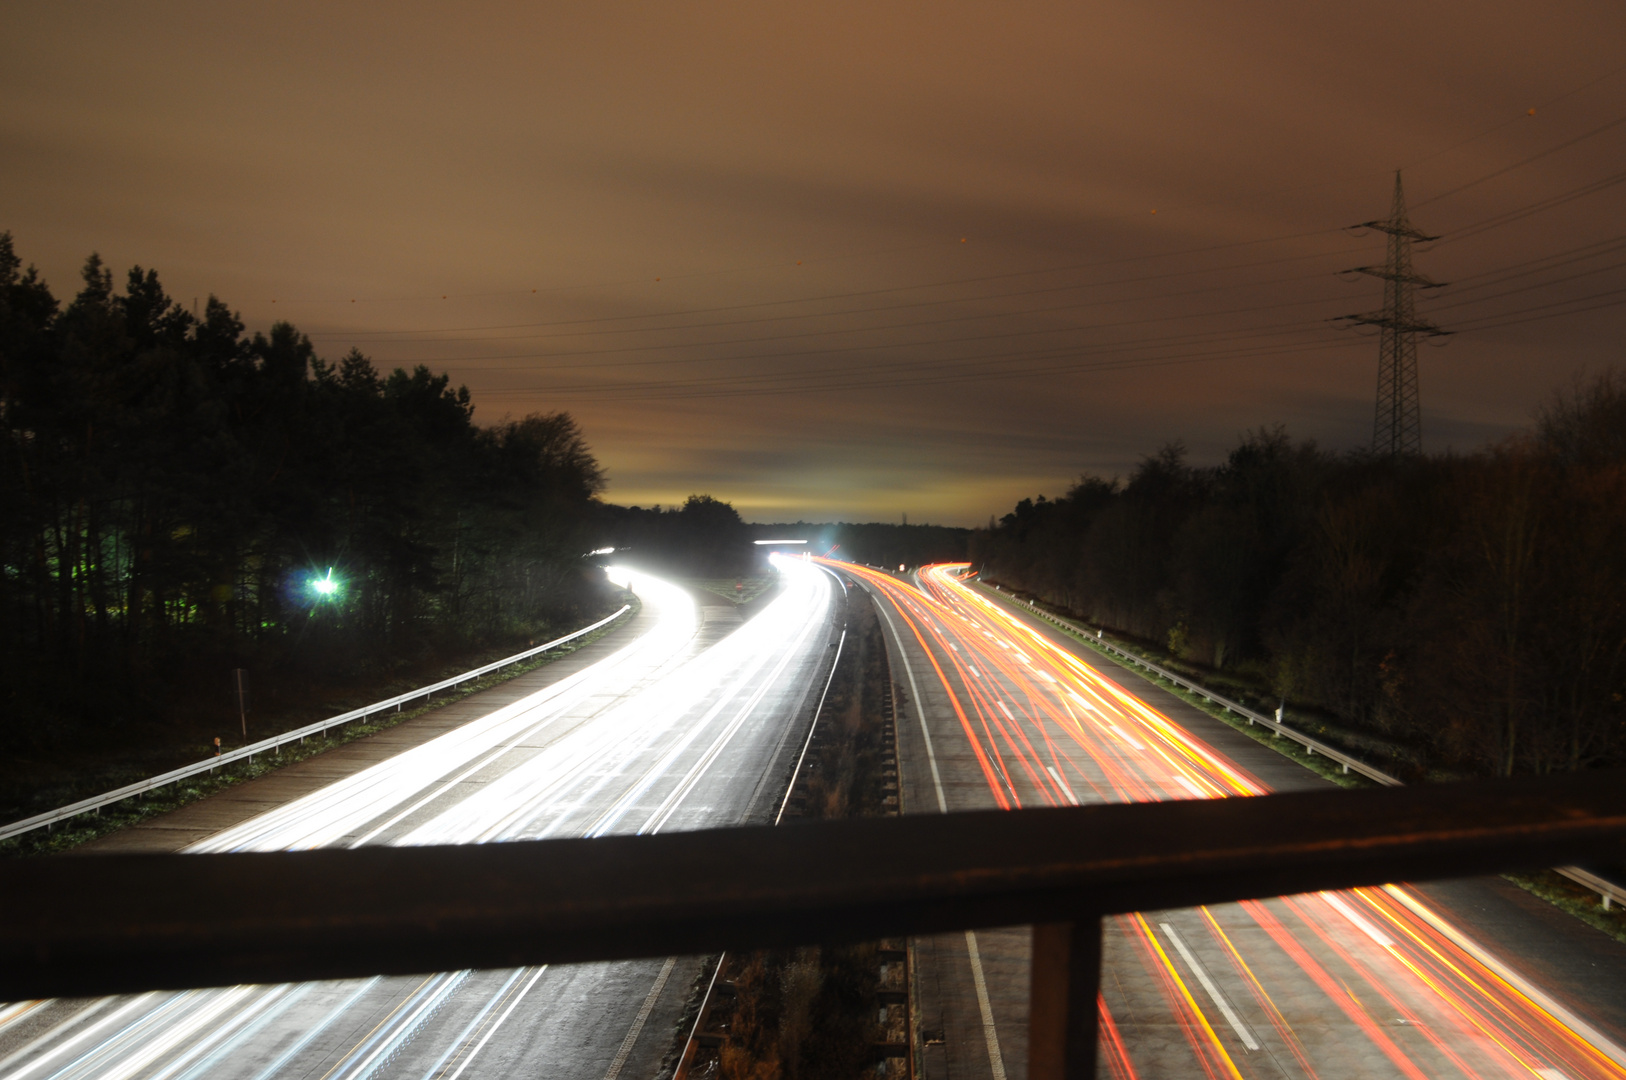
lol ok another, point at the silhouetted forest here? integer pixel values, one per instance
(703, 537)
(171, 490)
(1471, 607)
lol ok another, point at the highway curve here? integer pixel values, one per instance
(689, 724)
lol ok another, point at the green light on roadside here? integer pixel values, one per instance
(325, 586)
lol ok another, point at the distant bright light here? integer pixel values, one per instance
(602, 551)
(760, 543)
(325, 586)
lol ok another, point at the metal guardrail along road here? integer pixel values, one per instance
(320, 727)
(1608, 891)
(1314, 745)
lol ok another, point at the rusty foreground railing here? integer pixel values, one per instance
(73, 925)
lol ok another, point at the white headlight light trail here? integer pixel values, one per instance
(543, 797)
(357, 802)
(680, 714)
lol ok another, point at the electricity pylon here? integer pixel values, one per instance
(1397, 427)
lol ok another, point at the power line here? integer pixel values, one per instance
(1529, 288)
(1520, 213)
(1612, 297)
(1550, 261)
(1619, 120)
(1547, 104)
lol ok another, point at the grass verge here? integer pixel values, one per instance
(1575, 899)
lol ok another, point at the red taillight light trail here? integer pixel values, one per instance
(1046, 728)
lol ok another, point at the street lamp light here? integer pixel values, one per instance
(325, 587)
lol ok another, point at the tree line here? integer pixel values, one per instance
(703, 537)
(1471, 608)
(178, 498)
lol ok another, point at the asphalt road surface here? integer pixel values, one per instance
(1465, 979)
(690, 722)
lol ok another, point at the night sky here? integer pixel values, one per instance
(853, 261)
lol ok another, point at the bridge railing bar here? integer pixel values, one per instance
(1609, 892)
(94, 804)
(110, 924)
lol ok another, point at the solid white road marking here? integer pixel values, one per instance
(1126, 737)
(1056, 776)
(1189, 786)
(1337, 904)
(643, 1018)
(1213, 991)
(64, 1047)
(920, 715)
(505, 1014)
(995, 1062)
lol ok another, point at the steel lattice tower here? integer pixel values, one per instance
(1397, 427)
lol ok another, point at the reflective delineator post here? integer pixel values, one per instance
(240, 684)
(1063, 1024)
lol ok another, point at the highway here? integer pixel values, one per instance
(1370, 982)
(691, 723)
